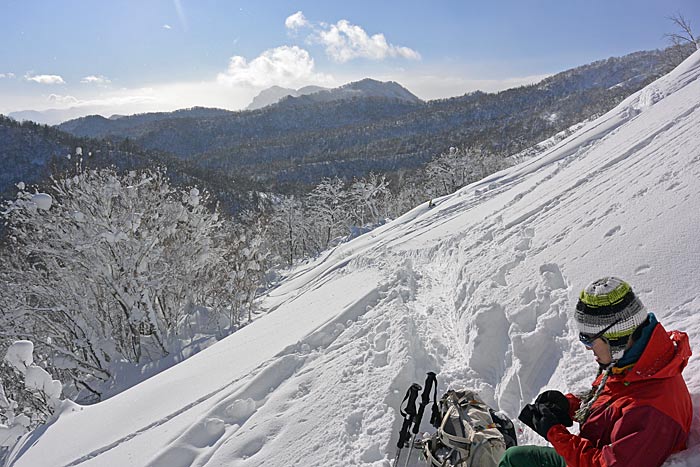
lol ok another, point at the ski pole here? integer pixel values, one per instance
(425, 399)
(408, 414)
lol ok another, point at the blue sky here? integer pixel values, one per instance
(140, 55)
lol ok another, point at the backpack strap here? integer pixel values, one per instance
(430, 457)
(435, 462)
(463, 442)
(466, 440)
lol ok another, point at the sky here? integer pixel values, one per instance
(133, 56)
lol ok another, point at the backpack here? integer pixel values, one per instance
(470, 433)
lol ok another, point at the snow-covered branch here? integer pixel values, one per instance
(103, 268)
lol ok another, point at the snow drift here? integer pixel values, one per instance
(479, 289)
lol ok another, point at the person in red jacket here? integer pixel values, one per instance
(638, 411)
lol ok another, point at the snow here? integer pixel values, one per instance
(38, 378)
(20, 355)
(42, 201)
(78, 216)
(8, 435)
(194, 197)
(479, 289)
(241, 410)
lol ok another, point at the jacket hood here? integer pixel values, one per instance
(665, 355)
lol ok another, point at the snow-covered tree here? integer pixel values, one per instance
(446, 173)
(28, 393)
(287, 233)
(368, 198)
(242, 274)
(326, 206)
(458, 167)
(104, 267)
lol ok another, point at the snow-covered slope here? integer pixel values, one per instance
(479, 289)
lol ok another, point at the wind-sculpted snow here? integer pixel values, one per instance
(479, 288)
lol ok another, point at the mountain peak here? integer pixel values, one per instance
(366, 87)
(372, 88)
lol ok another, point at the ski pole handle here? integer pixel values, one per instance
(411, 396)
(409, 414)
(425, 399)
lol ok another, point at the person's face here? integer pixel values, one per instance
(601, 349)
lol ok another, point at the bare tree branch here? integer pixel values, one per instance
(685, 35)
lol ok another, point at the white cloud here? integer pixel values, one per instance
(159, 97)
(7, 75)
(45, 79)
(144, 96)
(296, 21)
(118, 99)
(167, 26)
(345, 41)
(95, 79)
(63, 100)
(283, 66)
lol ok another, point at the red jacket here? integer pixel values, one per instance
(643, 414)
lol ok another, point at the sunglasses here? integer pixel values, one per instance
(587, 339)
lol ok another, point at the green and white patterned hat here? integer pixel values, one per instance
(604, 302)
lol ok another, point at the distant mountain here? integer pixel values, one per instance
(97, 126)
(53, 116)
(274, 94)
(30, 152)
(364, 89)
(359, 89)
(372, 126)
(25, 152)
(59, 116)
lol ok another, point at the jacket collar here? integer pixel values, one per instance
(665, 355)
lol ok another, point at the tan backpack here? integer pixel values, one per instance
(470, 434)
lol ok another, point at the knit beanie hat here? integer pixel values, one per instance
(604, 302)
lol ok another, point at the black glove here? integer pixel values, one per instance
(539, 417)
(550, 408)
(558, 404)
(527, 415)
(544, 419)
